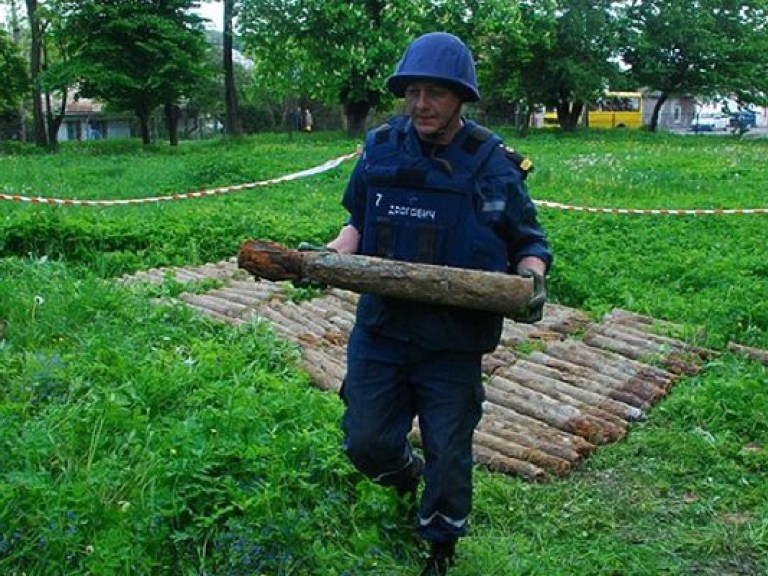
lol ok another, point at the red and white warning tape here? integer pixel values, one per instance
(330, 164)
(651, 212)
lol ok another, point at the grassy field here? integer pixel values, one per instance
(140, 439)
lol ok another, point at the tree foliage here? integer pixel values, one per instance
(555, 51)
(572, 54)
(13, 72)
(142, 54)
(333, 51)
(13, 88)
(493, 29)
(701, 48)
(46, 48)
(137, 55)
(56, 76)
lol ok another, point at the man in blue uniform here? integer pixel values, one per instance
(435, 188)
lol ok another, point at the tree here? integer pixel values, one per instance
(514, 60)
(51, 75)
(336, 52)
(13, 71)
(138, 55)
(43, 47)
(578, 64)
(493, 30)
(56, 75)
(700, 48)
(35, 69)
(560, 55)
(540, 20)
(13, 125)
(13, 88)
(233, 124)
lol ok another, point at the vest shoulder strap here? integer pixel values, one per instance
(475, 146)
(524, 164)
(384, 133)
(477, 136)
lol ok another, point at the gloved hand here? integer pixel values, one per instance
(308, 282)
(307, 247)
(535, 307)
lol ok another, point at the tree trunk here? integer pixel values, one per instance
(356, 114)
(442, 285)
(172, 122)
(530, 108)
(143, 118)
(35, 66)
(53, 118)
(656, 111)
(568, 114)
(233, 122)
(52, 127)
(16, 27)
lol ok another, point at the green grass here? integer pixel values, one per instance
(141, 439)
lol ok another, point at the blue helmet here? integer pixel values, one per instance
(437, 56)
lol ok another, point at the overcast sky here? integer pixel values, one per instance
(214, 11)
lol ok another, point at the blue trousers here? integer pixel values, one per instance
(388, 383)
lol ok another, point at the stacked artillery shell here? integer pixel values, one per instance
(555, 391)
(752, 353)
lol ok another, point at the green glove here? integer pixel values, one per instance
(535, 307)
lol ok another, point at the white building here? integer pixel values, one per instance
(85, 119)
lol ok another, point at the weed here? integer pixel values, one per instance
(139, 438)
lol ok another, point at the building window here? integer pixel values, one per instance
(677, 113)
(97, 129)
(74, 130)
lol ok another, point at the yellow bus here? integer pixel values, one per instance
(617, 110)
(613, 110)
(550, 118)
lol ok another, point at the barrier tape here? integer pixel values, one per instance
(330, 164)
(651, 212)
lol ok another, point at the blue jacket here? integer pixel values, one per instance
(464, 205)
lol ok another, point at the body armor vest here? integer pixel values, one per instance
(430, 209)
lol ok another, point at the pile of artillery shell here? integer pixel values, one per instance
(579, 383)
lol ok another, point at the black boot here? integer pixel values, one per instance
(441, 557)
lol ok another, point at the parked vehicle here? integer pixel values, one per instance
(617, 110)
(744, 118)
(710, 122)
(611, 110)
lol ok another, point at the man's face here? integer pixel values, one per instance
(434, 110)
